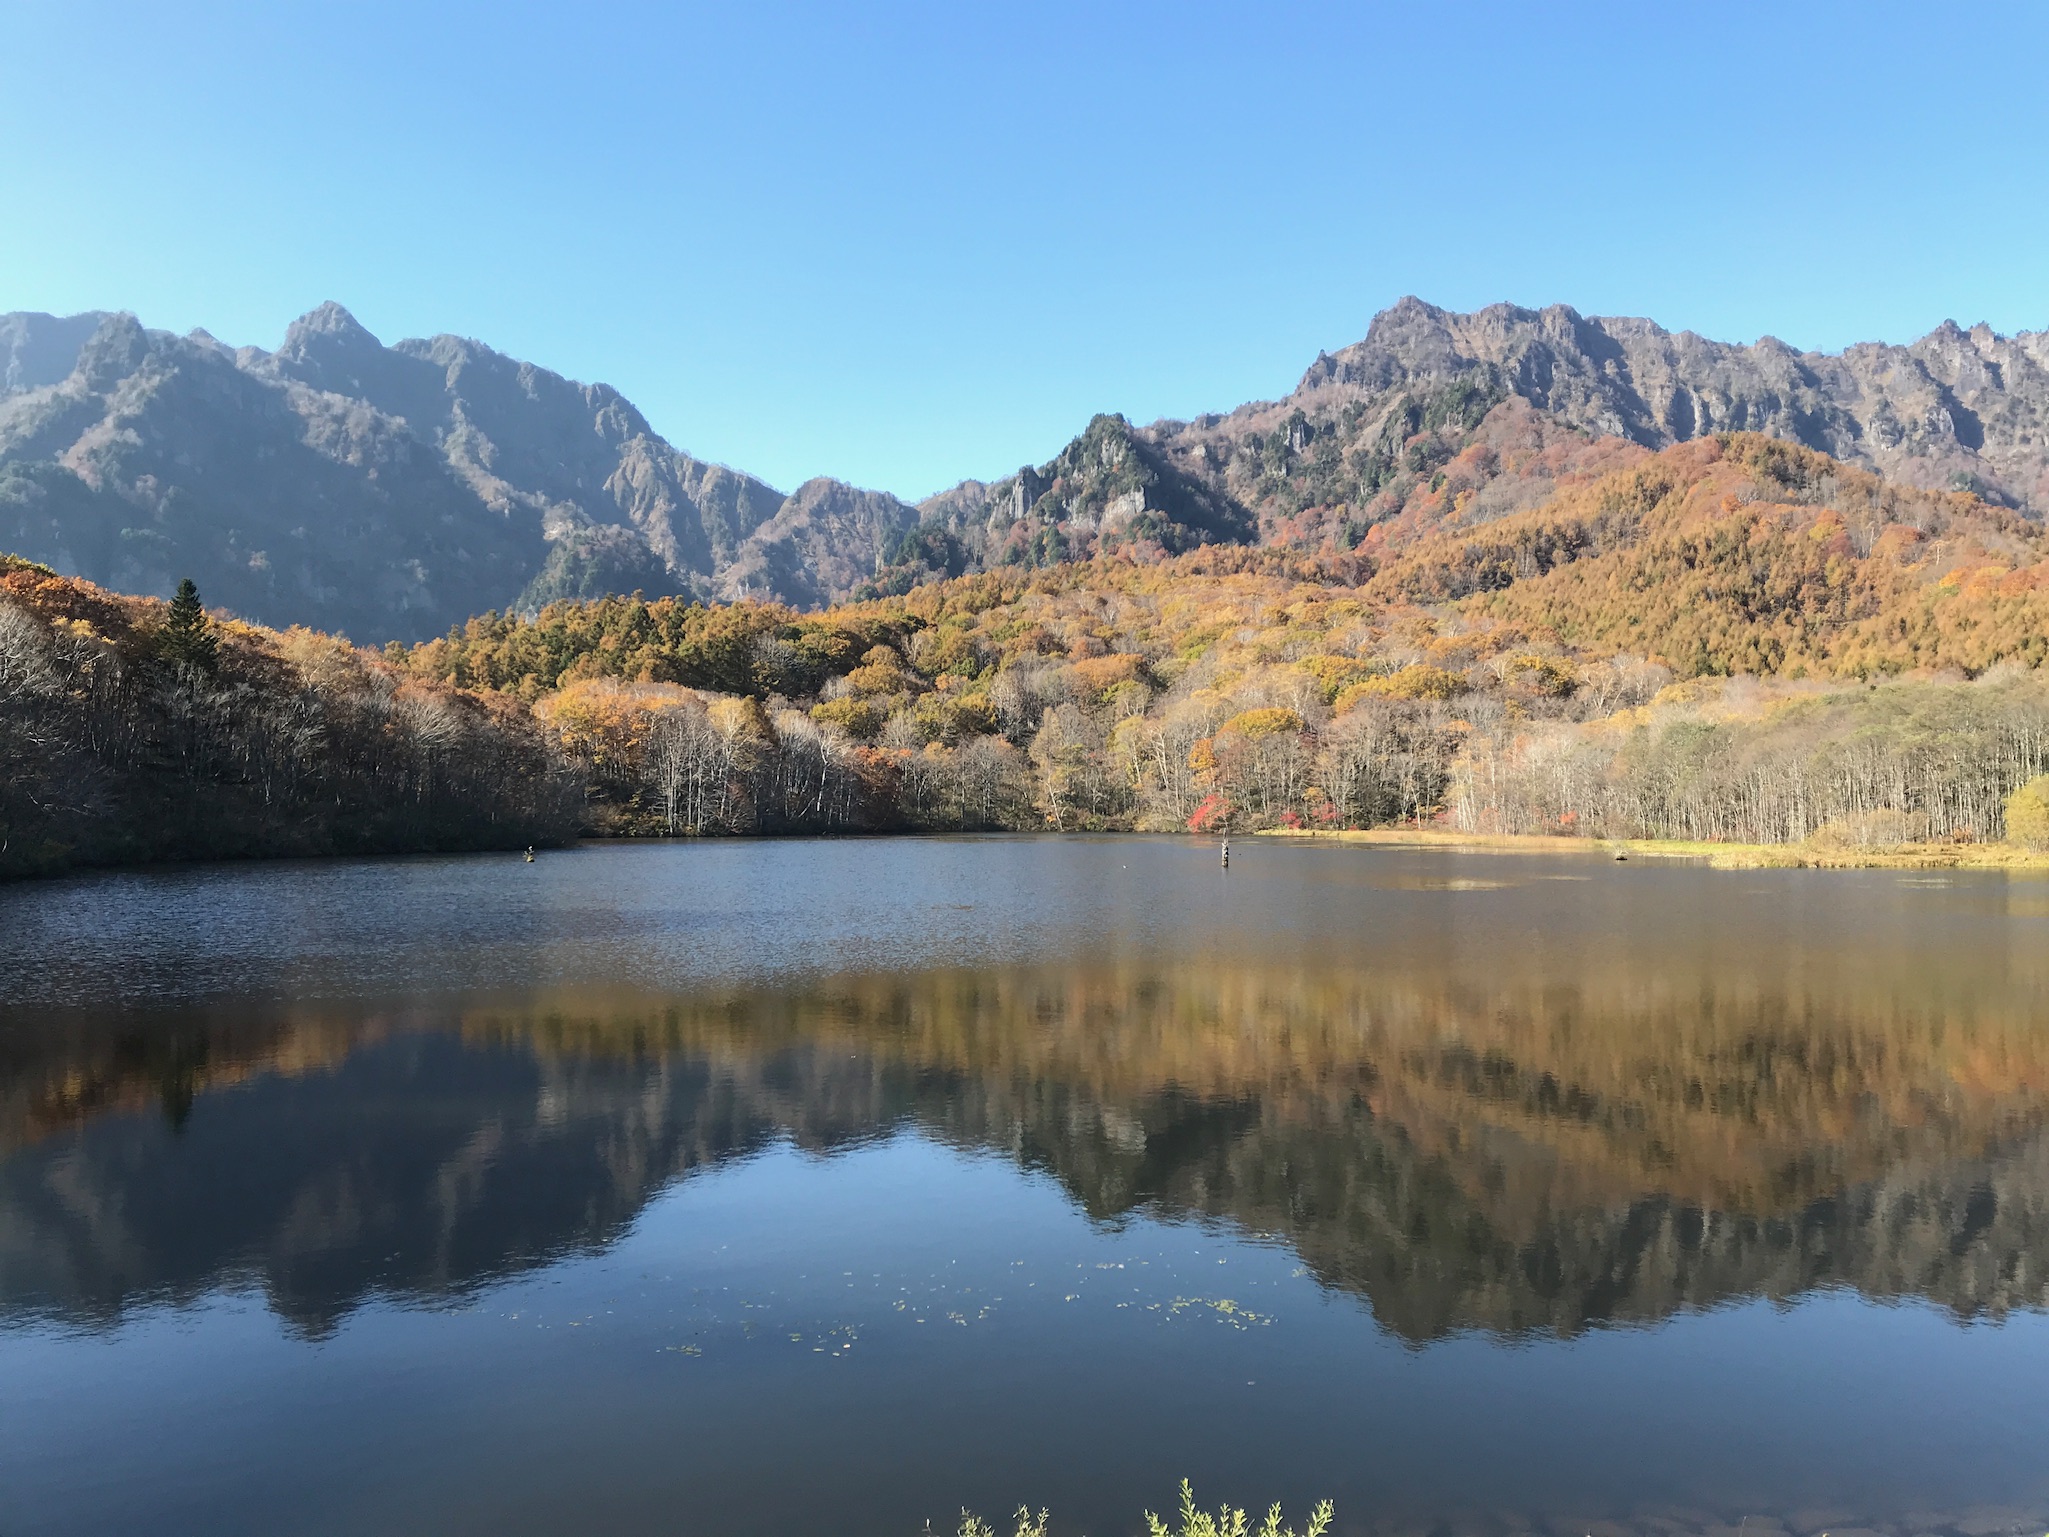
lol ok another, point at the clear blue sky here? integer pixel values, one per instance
(909, 243)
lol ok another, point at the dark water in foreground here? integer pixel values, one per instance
(829, 1187)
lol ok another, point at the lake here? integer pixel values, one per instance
(794, 1187)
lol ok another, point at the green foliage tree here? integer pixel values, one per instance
(188, 636)
(2027, 814)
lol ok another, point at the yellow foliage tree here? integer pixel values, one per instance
(1419, 680)
(1254, 725)
(2027, 814)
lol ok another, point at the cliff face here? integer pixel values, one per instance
(387, 492)
(1956, 410)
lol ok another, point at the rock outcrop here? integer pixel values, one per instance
(1956, 410)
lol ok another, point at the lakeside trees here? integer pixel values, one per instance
(1827, 656)
(1751, 763)
(660, 758)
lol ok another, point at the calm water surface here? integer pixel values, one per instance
(830, 1187)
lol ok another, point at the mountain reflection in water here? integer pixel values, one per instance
(771, 1187)
(1519, 1159)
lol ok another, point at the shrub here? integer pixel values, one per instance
(1335, 674)
(1870, 830)
(1549, 677)
(1028, 1525)
(883, 677)
(1257, 725)
(1096, 676)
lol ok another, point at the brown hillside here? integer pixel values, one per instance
(1747, 554)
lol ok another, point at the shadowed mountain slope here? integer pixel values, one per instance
(1110, 491)
(383, 491)
(38, 349)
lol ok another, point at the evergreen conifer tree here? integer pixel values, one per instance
(188, 635)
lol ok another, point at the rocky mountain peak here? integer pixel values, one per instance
(1404, 314)
(329, 320)
(386, 492)
(328, 347)
(113, 352)
(1957, 409)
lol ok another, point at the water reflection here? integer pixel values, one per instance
(833, 1186)
(1543, 1150)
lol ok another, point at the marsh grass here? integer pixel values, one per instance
(1823, 853)
(1225, 1521)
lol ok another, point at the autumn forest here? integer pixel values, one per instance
(1734, 640)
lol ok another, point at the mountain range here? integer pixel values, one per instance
(390, 492)
(382, 491)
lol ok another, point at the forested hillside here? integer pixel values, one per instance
(1733, 639)
(134, 730)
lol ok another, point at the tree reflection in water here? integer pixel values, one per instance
(1533, 1153)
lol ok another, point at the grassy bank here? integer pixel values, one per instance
(1721, 856)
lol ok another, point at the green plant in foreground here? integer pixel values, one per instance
(1226, 1522)
(1028, 1525)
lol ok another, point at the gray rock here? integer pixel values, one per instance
(1955, 409)
(387, 492)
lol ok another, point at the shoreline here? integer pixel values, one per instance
(1718, 856)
